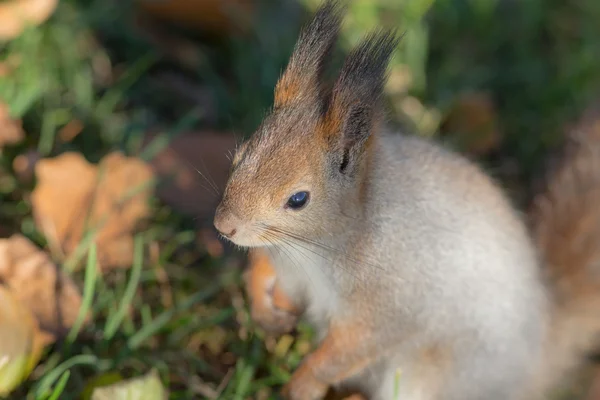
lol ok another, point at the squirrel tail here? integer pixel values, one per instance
(566, 229)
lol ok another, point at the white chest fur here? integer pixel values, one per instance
(304, 273)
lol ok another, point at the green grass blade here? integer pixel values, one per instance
(48, 380)
(60, 386)
(163, 319)
(115, 321)
(91, 270)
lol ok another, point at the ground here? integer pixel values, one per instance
(500, 80)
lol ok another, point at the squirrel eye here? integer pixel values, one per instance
(297, 200)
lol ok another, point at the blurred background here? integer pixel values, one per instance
(117, 122)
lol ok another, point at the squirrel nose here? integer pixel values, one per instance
(226, 223)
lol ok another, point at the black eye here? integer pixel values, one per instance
(297, 200)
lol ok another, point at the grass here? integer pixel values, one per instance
(177, 310)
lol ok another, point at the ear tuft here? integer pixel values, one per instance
(355, 98)
(301, 80)
(363, 75)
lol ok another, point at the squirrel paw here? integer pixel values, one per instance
(269, 313)
(304, 386)
(270, 308)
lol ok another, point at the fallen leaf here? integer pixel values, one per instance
(49, 294)
(11, 130)
(214, 16)
(16, 15)
(147, 387)
(111, 200)
(472, 122)
(193, 170)
(102, 380)
(21, 342)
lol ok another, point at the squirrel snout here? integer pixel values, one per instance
(226, 223)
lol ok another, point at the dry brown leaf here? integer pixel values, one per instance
(186, 189)
(111, 197)
(11, 131)
(222, 17)
(37, 283)
(16, 15)
(193, 170)
(21, 342)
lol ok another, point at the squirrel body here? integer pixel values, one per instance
(420, 277)
(450, 271)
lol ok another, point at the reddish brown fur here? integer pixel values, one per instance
(301, 80)
(260, 271)
(567, 222)
(333, 361)
(270, 307)
(566, 228)
(329, 126)
(286, 165)
(287, 90)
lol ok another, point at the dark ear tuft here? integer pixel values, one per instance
(363, 75)
(301, 80)
(355, 98)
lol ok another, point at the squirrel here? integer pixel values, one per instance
(421, 278)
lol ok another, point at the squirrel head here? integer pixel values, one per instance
(292, 179)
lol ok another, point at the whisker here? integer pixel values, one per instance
(209, 190)
(332, 261)
(323, 246)
(296, 264)
(215, 190)
(236, 139)
(285, 242)
(294, 245)
(212, 180)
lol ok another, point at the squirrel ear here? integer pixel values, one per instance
(301, 80)
(355, 98)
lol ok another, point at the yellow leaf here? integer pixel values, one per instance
(147, 387)
(100, 381)
(21, 342)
